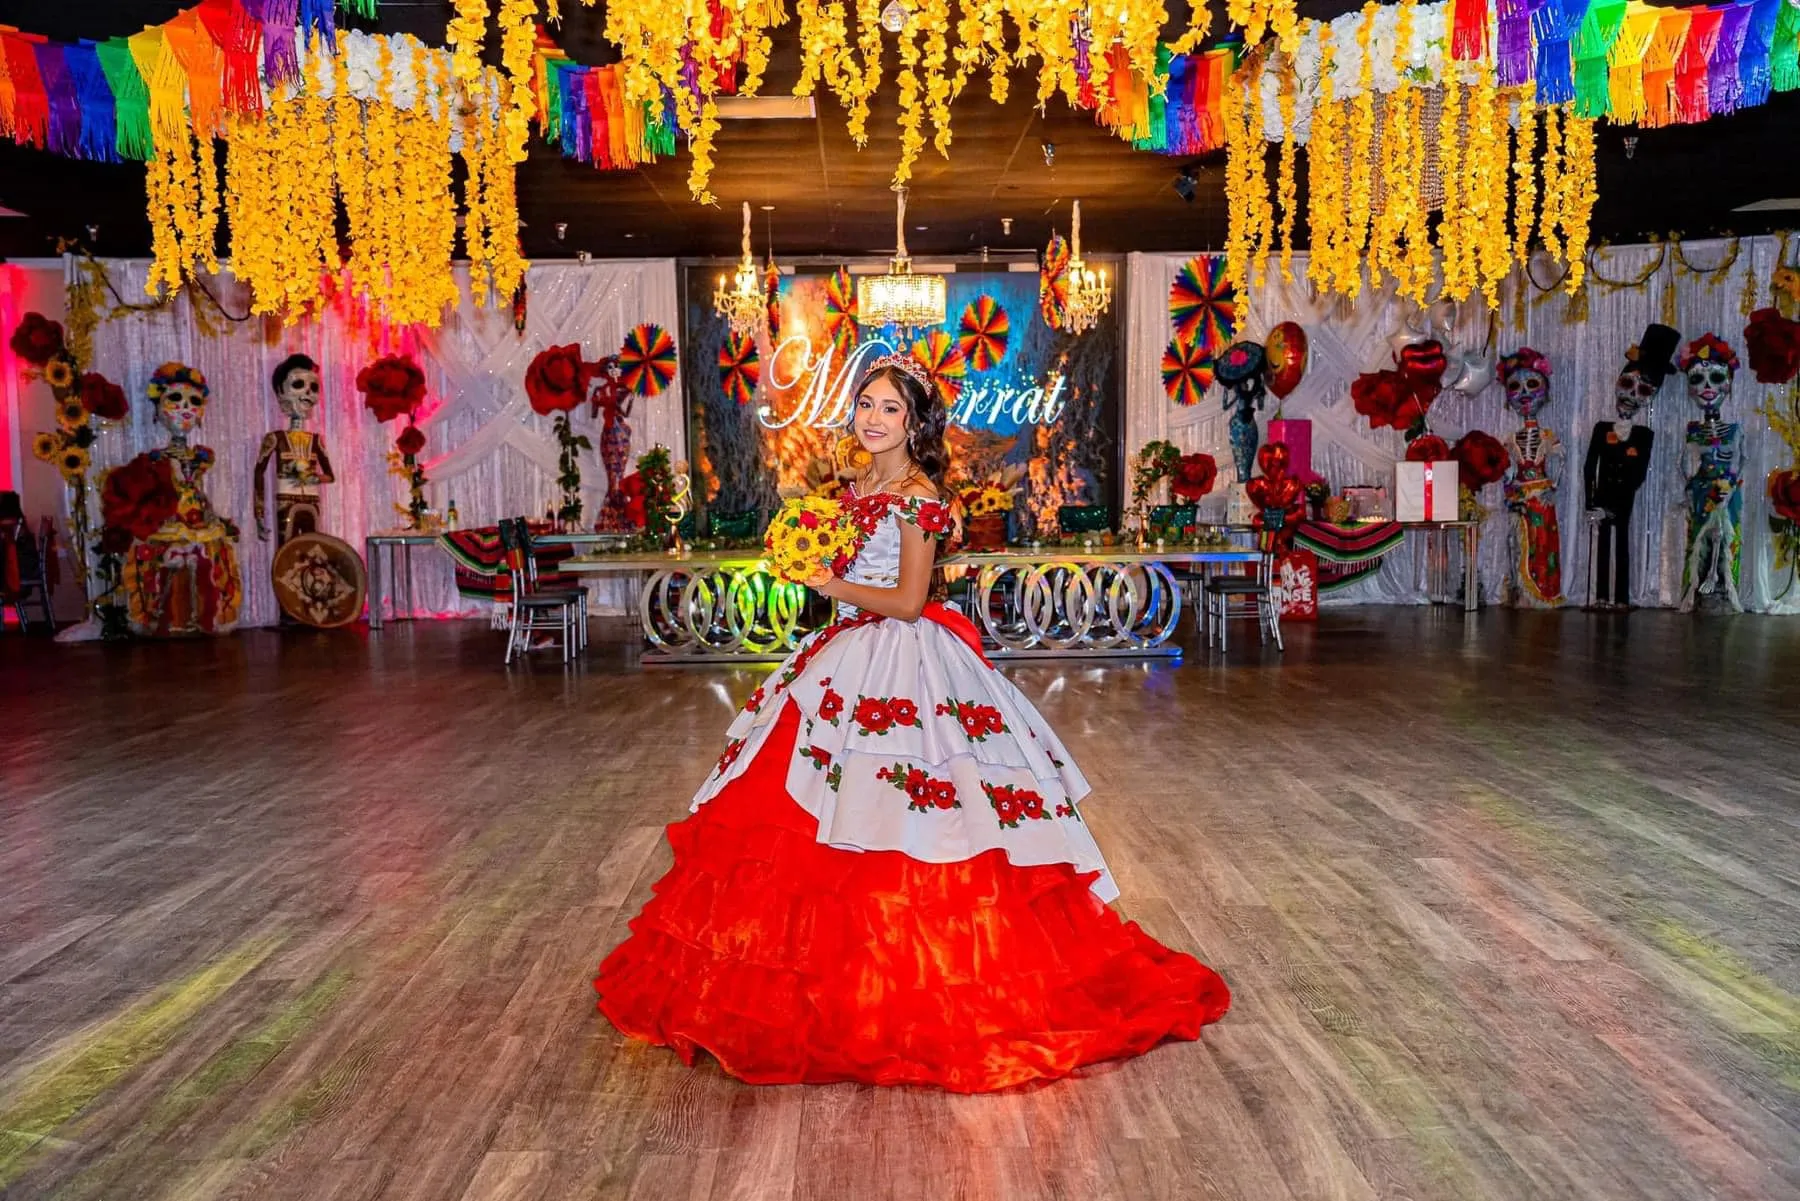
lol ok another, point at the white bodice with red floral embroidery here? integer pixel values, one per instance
(908, 741)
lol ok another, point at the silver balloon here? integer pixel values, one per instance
(1477, 372)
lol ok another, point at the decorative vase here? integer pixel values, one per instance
(985, 533)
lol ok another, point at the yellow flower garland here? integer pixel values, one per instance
(464, 35)
(1324, 180)
(1362, 150)
(1551, 208)
(1285, 186)
(1458, 262)
(1580, 191)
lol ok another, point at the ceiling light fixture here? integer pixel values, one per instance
(894, 16)
(742, 304)
(900, 298)
(1186, 183)
(1089, 293)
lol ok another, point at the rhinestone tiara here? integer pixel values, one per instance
(904, 363)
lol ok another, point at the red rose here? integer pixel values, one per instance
(1428, 448)
(1774, 345)
(809, 520)
(990, 720)
(1376, 394)
(1480, 459)
(1784, 493)
(904, 711)
(103, 398)
(632, 489)
(1195, 475)
(831, 706)
(873, 716)
(411, 441)
(943, 794)
(37, 339)
(139, 496)
(556, 381)
(391, 387)
(1006, 807)
(1032, 803)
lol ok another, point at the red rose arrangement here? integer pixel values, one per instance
(410, 442)
(1401, 396)
(1784, 493)
(1774, 345)
(1427, 448)
(1195, 475)
(37, 339)
(103, 398)
(1480, 460)
(139, 497)
(393, 386)
(557, 380)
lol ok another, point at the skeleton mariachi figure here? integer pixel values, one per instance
(1530, 483)
(1715, 468)
(298, 454)
(1618, 458)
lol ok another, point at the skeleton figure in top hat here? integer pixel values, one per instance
(301, 465)
(1715, 469)
(1618, 458)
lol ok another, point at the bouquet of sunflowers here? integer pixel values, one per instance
(809, 533)
(987, 499)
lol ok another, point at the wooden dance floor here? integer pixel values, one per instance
(1511, 909)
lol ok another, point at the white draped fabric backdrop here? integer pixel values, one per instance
(485, 447)
(1347, 339)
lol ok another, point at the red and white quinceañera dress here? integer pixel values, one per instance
(887, 877)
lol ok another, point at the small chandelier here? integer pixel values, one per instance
(743, 305)
(900, 297)
(1089, 293)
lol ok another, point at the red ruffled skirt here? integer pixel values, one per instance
(795, 962)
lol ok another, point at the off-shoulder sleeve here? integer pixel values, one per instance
(932, 517)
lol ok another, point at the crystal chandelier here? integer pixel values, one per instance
(743, 305)
(1089, 293)
(900, 297)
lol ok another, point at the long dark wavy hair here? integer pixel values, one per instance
(926, 418)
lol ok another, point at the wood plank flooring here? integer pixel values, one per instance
(1510, 907)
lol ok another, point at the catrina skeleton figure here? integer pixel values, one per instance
(1713, 458)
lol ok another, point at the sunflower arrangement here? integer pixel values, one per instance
(987, 499)
(808, 533)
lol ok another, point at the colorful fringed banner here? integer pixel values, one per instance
(110, 100)
(583, 111)
(1629, 61)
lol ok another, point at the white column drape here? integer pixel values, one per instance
(1347, 339)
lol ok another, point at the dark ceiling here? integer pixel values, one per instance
(831, 199)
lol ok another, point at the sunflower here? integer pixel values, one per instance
(73, 462)
(70, 415)
(46, 446)
(59, 373)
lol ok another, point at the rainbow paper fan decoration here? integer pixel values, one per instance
(1203, 304)
(647, 360)
(740, 368)
(1053, 282)
(1187, 372)
(938, 354)
(840, 310)
(984, 333)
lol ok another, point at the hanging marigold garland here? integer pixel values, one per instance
(1369, 213)
(687, 51)
(1285, 184)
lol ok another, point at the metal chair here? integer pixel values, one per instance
(533, 609)
(33, 557)
(1227, 596)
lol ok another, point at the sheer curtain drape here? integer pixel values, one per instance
(486, 449)
(1350, 338)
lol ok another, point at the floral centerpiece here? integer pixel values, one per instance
(986, 506)
(82, 398)
(394, 386)
(1481, 459)
(809, 533)
(1784, 487)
